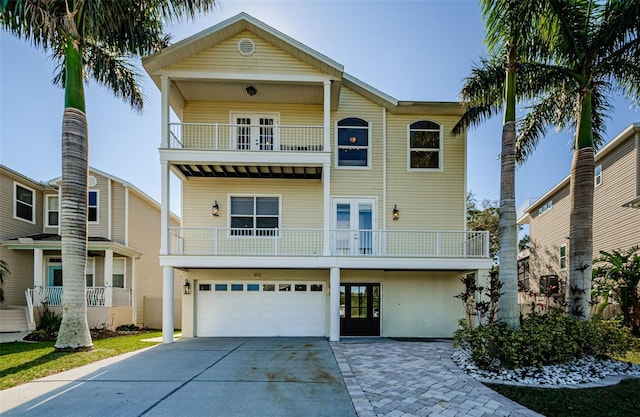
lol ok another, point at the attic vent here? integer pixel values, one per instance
(246, 47)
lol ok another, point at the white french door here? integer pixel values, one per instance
(354, 223)
(255, 132)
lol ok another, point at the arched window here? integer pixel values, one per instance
(353, 142)
(425, 145)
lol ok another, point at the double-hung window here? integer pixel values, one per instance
(425, 146)
(24, 206)
(92, 207)
(255, 216)
(118, 274)
(563, 257)
(598, 175)
(353, 143)
(53, 210)
(90, 271)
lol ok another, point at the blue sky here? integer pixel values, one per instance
(411, 50)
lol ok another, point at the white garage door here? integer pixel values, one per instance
(291, 308)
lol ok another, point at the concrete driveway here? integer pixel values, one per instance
(196, 377)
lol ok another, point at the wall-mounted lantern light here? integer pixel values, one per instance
(215, 209)
(396, 212)
(251, 90)
(186, 288)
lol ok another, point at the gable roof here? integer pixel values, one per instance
(181, 50)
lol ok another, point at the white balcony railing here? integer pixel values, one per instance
(309, 242)
(52, 296)
(229, 137)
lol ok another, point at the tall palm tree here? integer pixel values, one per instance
(511, 39)
(596, 56)
(96, 39)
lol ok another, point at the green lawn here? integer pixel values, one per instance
(615, 401)
(21, 362)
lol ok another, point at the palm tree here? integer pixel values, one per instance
(595, 55)
(510, 38)
(97, 39)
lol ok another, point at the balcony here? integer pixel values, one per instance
(344, 243)
(254, 151)
(52, 296)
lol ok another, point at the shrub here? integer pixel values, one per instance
(543, 339)
(50, 320)
(127, 328)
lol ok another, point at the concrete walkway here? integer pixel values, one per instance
(392, 378)
(266, 377)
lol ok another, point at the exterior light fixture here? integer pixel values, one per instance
(396, 212)
(186, 288)
(353, 139)
(215, 208)
(251, 90)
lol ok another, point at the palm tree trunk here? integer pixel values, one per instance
(74, 331)
(507, 229)
(581, 219)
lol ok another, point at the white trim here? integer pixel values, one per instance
(247, 76)
(369, 144)
(126, 217)
(134, 303)
(440, 149)
(384, 168)
(109, 211)
(33, 202)
(46, 211)
(97, 206)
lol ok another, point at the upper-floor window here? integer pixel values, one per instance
(598, 175)
(53, 210)
(523, 275)
(545, 207)
(255, 216)
(353, 143)
(24, 206)
(425, 145)
(118, 275)
(563, 257)
(92, 207)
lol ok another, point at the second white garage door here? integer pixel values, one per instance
(231, 308)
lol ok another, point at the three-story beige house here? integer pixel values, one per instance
(123, 276)
(312, 203)
(616, 218)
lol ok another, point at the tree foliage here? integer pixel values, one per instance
(484, 216)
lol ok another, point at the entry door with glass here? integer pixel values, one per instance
(255, 132)
(360, 310)
(354, 221)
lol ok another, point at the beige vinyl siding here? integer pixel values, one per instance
(11, 227)
(220, 112)
(549, 231)
(20, 263)
(359, 182)
(224, 57)
(432, 200)
(118, 212)
(301, 200)
(144, 237)
(614, 226)
(102, 227)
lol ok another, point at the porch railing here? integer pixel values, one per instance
(95, 296)
(230, 137)
(309, 242)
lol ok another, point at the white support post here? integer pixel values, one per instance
(167, 304)
(326, 179)
(327, 114)
(164, 208)
(334, 305)
(108, 278)
(165, 86)
(38, 279)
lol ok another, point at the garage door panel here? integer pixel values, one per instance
(260, 309)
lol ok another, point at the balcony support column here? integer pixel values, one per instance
(108, 278)
(164, 207)
(327, 114)
(326, 234)
(165, 86)
(38, 278)
(167, 304)
(334, 305)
